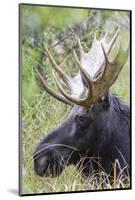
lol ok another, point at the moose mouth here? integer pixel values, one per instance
(46, 167)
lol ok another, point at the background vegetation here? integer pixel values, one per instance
(56, 26)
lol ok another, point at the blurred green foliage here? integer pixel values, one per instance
(56, 27)
(36, 19)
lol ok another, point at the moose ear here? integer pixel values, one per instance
(105, 100)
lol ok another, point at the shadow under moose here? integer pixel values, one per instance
(96, 133)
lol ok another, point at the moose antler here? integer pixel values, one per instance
(96, 73)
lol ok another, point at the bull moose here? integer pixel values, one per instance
(98, 126)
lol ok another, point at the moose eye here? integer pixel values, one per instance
(82, 120)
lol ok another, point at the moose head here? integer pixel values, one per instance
(93, 128)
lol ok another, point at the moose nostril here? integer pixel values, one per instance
(41, 166)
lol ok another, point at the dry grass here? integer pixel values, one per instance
(72, 180)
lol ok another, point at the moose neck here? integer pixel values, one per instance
(111, 127)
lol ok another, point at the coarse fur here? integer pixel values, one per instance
(92, 138)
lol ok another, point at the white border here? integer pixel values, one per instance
(9, 97)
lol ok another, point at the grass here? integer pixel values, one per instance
(37, 121)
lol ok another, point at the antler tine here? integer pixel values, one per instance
(119, 59)
(52, 93)
(57, 68)
(100, 73)
(105, 37)
(105, 55)
(113, 40)
(110, 72)
(80, 46)
(121, 56)
(85, 74)
(104, 66)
